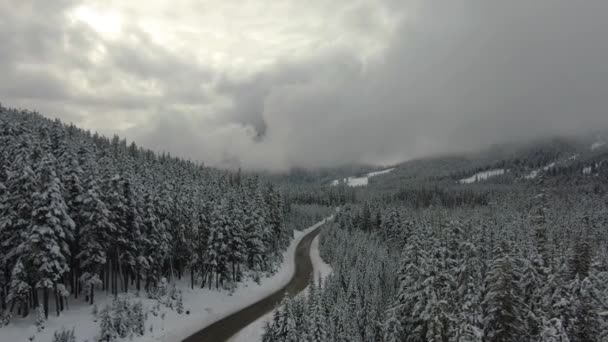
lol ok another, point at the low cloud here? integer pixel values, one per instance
(376, 82)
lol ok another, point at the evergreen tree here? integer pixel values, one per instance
(107, 330)
(503, 306)
(49, 234)
(95, 233)
(553, 331)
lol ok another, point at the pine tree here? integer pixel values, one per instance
(107, 330)
(19, 286)
(392, 226)
(217, 247)
(21, 183)
(74, 191)
(393, 331)
(503, 306)
(533, 279)
(584, 324)
(255, 234)
(64, 335)
(410, 299)
(121, 318)
(138, 319)
(49, 233)
(95, 233)
(553, 331)
(235, 236)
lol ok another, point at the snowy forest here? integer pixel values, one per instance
(81, 213)
(497, 247)
(512, 258)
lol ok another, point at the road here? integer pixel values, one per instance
(223, 329)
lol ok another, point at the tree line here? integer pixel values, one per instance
(530, 266)
(80, 213)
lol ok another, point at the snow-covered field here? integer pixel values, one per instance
(360, 181)
(479, 176)
(205, 306)
(255, 330)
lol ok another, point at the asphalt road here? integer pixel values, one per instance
(223, 329)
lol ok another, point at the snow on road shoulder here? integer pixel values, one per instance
(205, 307)
(321, 269)
(255, 330)
(247, 294)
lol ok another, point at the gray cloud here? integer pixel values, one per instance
(449, 77)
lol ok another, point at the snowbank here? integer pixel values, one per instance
(255, 330)
(205, 306)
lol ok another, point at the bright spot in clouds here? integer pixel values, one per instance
(106, 22)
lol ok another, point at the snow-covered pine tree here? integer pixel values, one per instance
(255, 234)
(393, 330)
(584, 323)
(553, 331)
(391, 226)
(217, 246)
(72, 178)
(21, 183)
(149, 262)
(128, 244)
(64, 335)
(532, 282)
(49, 234)
(235, 237)
(138, 319)
(107, 331)
(504, 310)
(95, 233)
(114, 198)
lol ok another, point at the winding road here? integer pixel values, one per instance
(225, 328)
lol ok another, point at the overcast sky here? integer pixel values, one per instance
(275, 84)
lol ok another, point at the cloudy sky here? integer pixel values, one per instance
(275, 84)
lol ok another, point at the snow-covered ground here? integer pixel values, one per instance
(597, 145)
(205, 306)
(255, 330)
(360, 181)
(535, 173)
(479, 176)
(378, 173)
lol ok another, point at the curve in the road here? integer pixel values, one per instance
(225, 328)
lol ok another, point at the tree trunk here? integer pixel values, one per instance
(125, 281)
(45, 299)
(192, 278)
(92, 294)
(58, 303)
(25, 308)
(35, 298)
